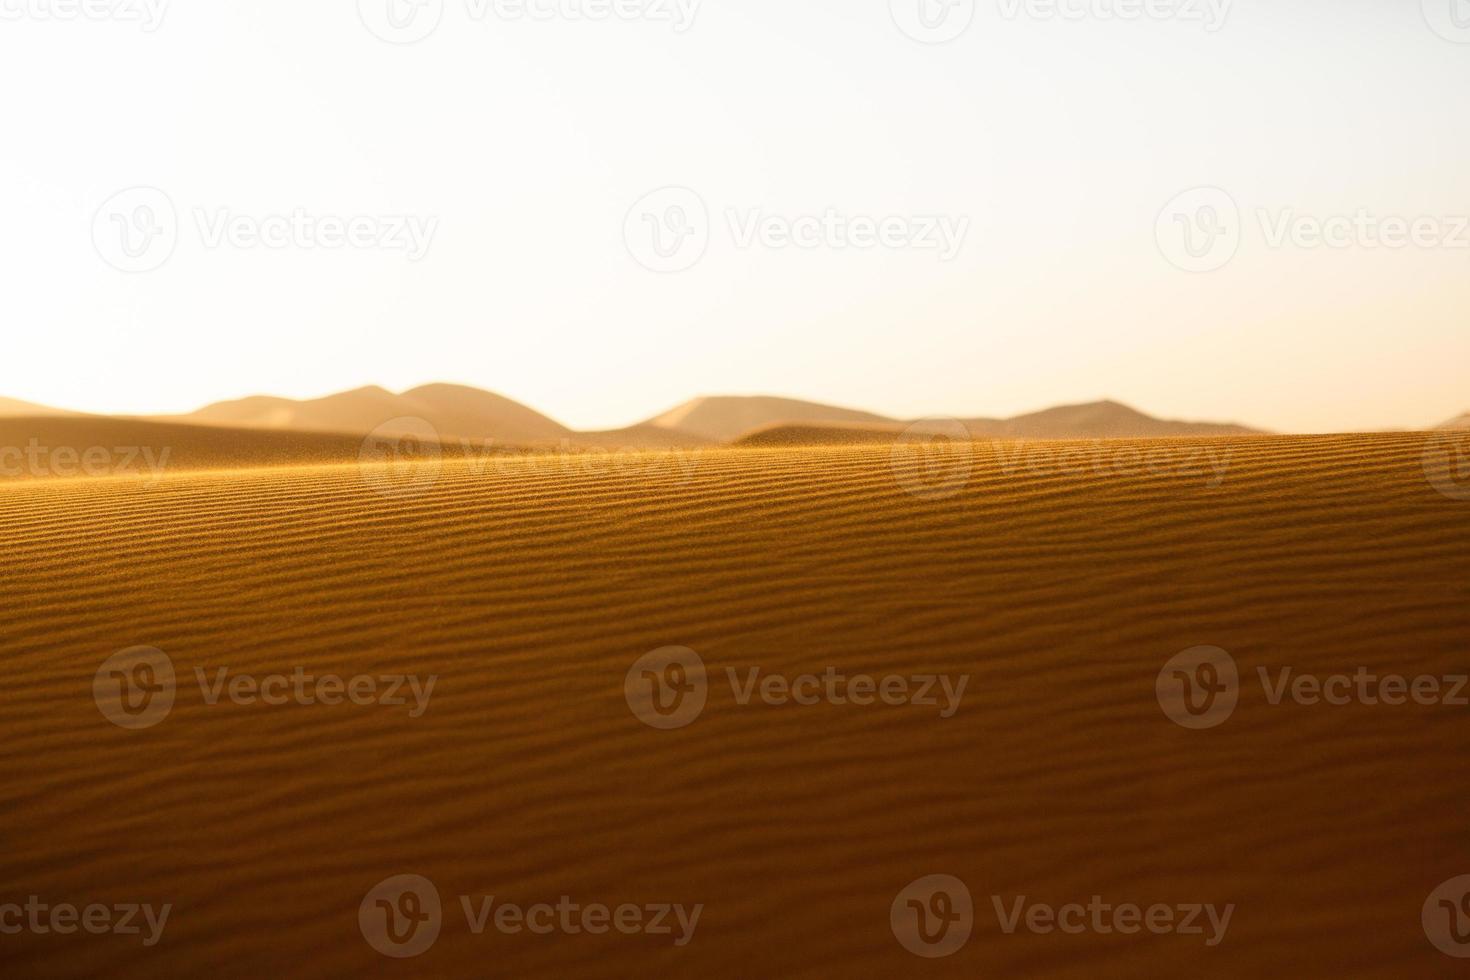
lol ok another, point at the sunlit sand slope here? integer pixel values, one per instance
(1058, 579)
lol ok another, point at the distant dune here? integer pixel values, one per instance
(1100, 420)
(1463, 422)
(724, 419)
(452, 409)
(759, 421)
(458, 413)
(14, 407)
(1097, 420)
(1058, 585)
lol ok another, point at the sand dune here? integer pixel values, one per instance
(70, 448)
(15, 408)
(96, 446)
(454, 413)
(1059, 583)
(453, 410)
(753, 419)
(788, 434)
(457, 413)
(1097, 420)
(723, 419)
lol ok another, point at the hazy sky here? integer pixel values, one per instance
(474, 207)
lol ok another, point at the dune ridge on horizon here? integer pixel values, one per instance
(464, 412)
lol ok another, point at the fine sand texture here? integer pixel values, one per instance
(1059, 578)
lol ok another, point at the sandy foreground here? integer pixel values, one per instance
(1019, 604)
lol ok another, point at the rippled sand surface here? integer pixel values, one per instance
(1059, 579)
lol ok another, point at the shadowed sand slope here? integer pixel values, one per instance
(1059, 583)
(100, 446)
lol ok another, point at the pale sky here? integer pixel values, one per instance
(521, 148)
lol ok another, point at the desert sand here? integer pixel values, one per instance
(1059, 578)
